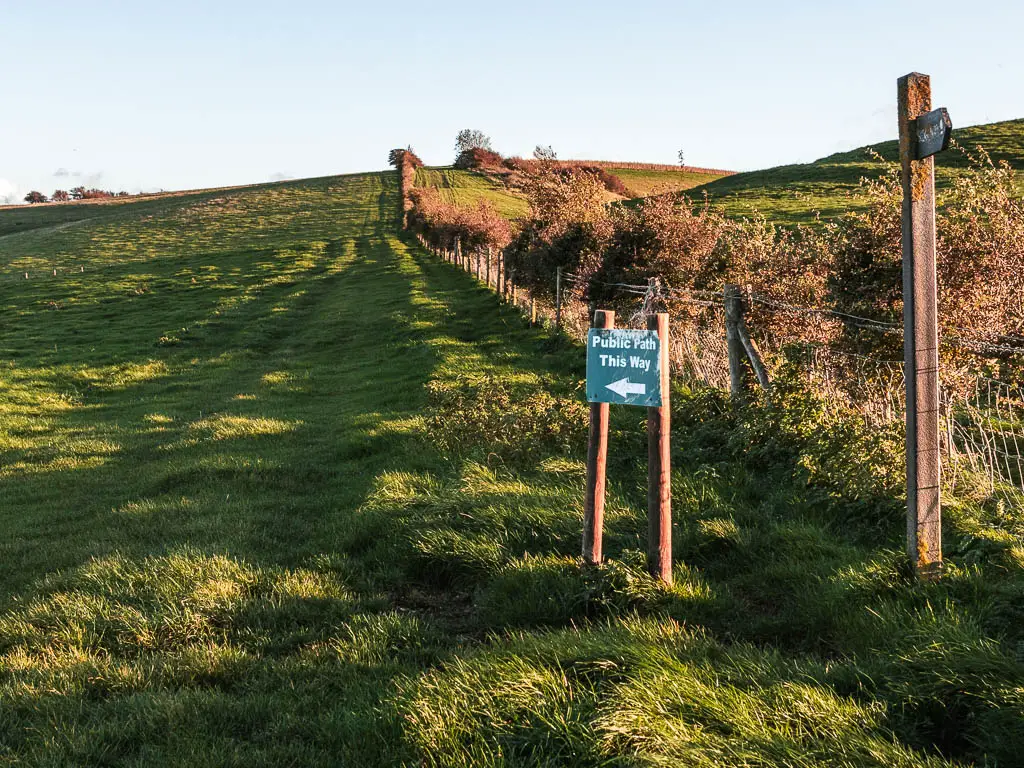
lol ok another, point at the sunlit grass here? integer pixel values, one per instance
(467, 188)
(798, 194)
(244, 525)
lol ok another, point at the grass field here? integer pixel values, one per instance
(795, 194)
(467, 188)
(279, 488)
(650, 182)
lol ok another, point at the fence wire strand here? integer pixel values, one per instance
(982, 418)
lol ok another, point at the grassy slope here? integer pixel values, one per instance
(649, 182)
(792, 194)
(468, 187)
(232, 536)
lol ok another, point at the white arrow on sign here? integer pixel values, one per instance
(623, 388)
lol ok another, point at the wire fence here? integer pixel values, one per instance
(982, 416)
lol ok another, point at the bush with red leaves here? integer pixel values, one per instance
(479, 159)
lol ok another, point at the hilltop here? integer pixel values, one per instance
(791, 194)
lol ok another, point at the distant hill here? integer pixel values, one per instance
(791, 194)
(641, 179)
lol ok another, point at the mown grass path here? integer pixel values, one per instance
(189, 429)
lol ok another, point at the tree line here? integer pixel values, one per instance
(75, 193)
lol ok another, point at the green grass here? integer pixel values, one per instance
(796, 194)
(468, 188)
(650, 182)
(277, 487)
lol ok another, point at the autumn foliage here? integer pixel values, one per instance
(443, 223)
(480, 159)
(835, 284)
(405, 161)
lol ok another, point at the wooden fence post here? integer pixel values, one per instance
(533, 309)
(597, 462)
(753, 353)
(500, 280)
(920, 334)
(488, 266)
(733, 317)
(514, 287)
(558, 298)
(659, 466)
(478, 254)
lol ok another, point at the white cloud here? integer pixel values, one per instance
(9, 193)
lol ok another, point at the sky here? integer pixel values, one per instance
(192, 94)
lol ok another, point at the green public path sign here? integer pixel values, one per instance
(624, 367)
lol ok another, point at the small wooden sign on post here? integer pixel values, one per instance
(923, 133)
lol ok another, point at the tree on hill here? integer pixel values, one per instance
(472, 139)
(397, 156)
(680, 156)
(78, 193)
(60, 196)
(545, 154)
(35, 197)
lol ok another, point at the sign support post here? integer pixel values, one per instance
(922, 134)
(630, 367)
(659, 466)
(597, 462)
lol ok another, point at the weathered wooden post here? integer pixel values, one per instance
(515, 295)
(558, 298)
(733, 318)
(500, 280)
(478, 254)
(597, 463)
(922, 134)
(533, 309)
(659, 466)
(488, 266)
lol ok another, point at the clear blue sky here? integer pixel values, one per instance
(140, 95)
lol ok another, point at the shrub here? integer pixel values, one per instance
(479, 158)
(610, 181)
(517, 426)
(442, 223)
(406, 162)
(664, 237)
